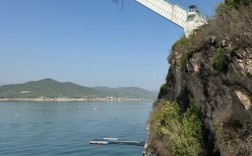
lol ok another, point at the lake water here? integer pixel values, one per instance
(65, 129)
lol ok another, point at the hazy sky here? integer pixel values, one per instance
(88, 42)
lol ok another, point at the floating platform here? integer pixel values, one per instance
(99, 142)
(106, 141)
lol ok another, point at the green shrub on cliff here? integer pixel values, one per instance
(184, 130)
(183, 62)
(163, 91)
(182, 46)
(231, 4)
(218, 60)
(182, 41)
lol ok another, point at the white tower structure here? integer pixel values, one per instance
(188, 20)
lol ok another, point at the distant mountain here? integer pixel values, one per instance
(53, 89)
(127, 92)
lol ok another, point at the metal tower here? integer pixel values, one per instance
(188, 20)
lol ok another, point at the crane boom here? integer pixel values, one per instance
(171, 12)
(188, 20)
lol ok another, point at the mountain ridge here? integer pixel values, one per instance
(51, 88)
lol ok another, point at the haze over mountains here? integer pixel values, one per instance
(53, 89)
(1, 84)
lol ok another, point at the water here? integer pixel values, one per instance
(65, 129)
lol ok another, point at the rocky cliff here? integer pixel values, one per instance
(205, 106)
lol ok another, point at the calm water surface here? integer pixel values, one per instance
(65, 129)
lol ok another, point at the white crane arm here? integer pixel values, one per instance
(171, 12)
(188, 20)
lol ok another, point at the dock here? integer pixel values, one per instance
(107, 141)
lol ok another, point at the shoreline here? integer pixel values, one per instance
(74, 100)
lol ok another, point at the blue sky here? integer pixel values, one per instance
(88, 42)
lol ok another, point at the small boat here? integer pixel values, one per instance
(106, 141)
(99, 142)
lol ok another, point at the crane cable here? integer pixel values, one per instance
(122, 4)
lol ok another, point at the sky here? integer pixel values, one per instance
(88, 42)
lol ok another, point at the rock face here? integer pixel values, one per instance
(205, 106)
(223, 95)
